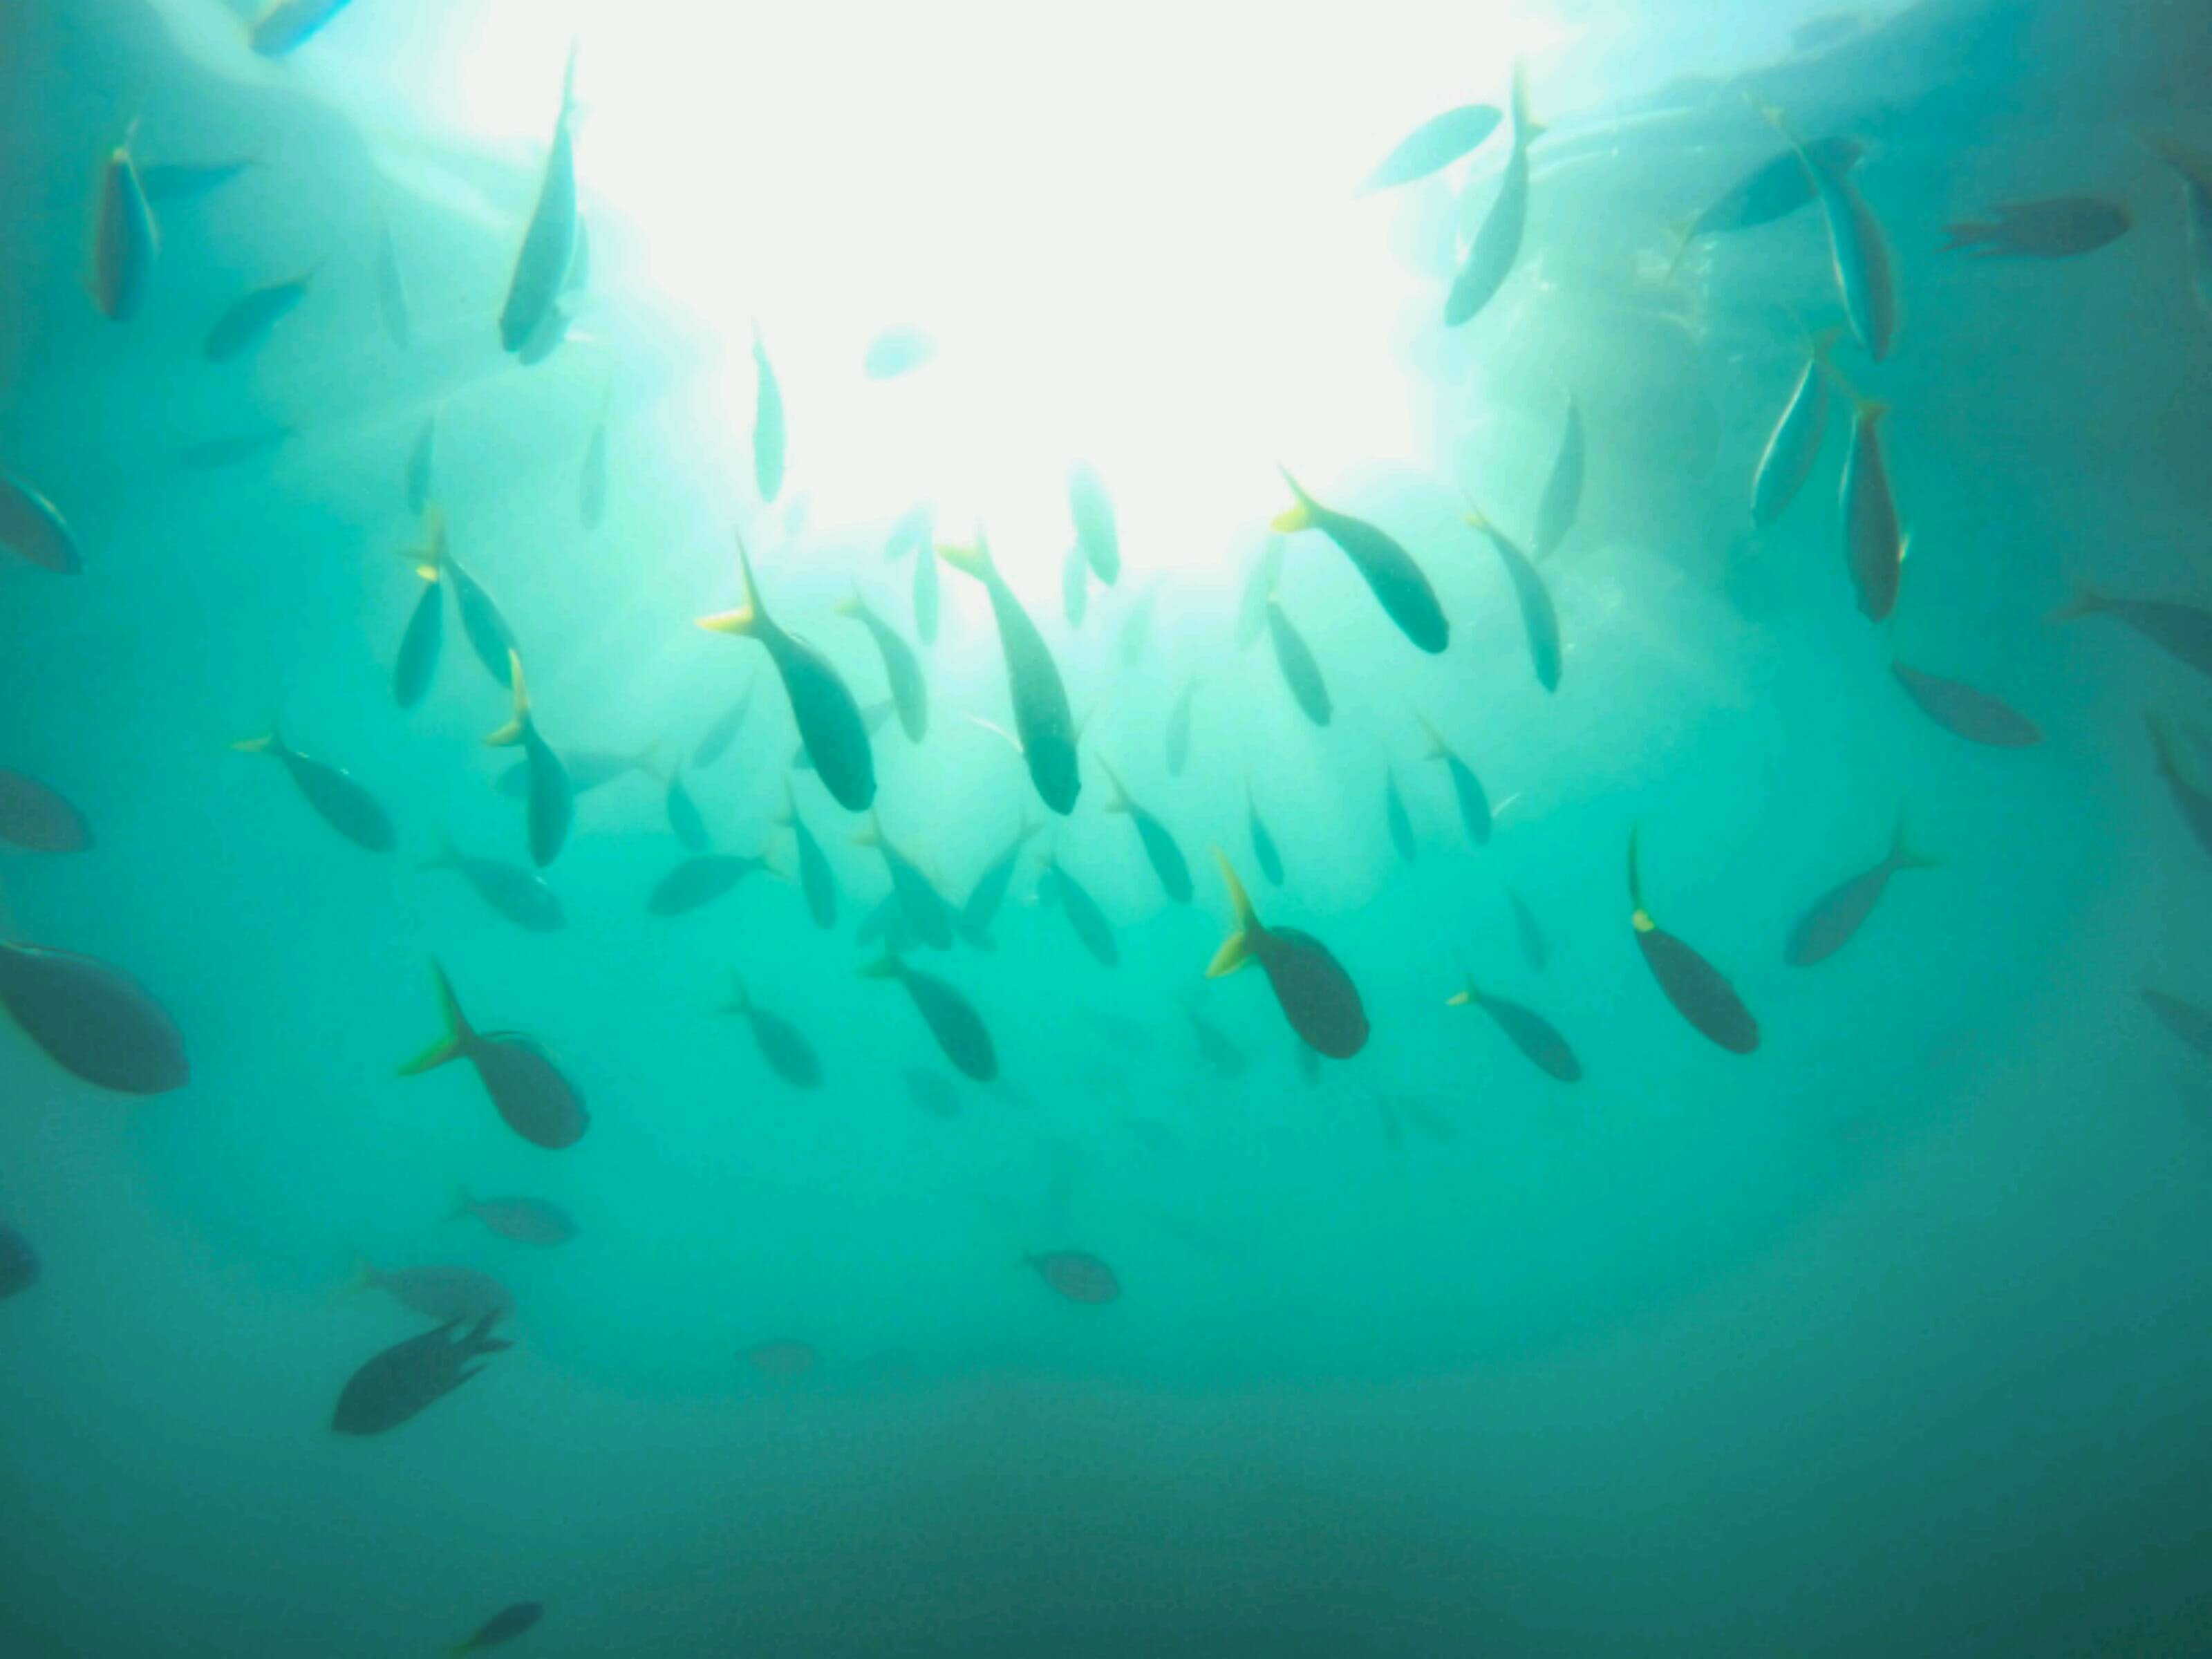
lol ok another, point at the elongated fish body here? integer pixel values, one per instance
(1562, 500)
(1540, 619)
(30, 526)
(391, 303)
(1042, 719)
(1534, 949)
(592, 479)
(2196, 176)
(1264, 851)
(1178, 737)
(551, 803)
(420, 645)
(1076, 1275)
(767, 424)
(1865, 273)
(1398, 584)
(1260, 583)
(1776, 188)
(285, 26)
(1538, 1042)
(1160, 849)
(1794, 446)
(504, 1626)
(525, 1086)
(1466, 789)
(167, 182)
(1215, 1046)
(93, 1020)
(1693, 984)
(1316, 996)
(489, 637)
(126, 241)
(902, 668)
(698, 881)
(1839, 914)
(2187, 1021)
(815, 879)
(529, 1221)
(1057, 886)
(1393, 817)
(2195, 803)
(409, 1377)
(1095, 532)
(1299, 670)
(684, 820)
(460, 1294)
(2064, 227)
(248, 323)
(2182, 631)
(781, 1044)
(521, 896)
(926, 910)
(421, 465)
(549, 245)
(19, 1263)
(38, 819)
(1496, 244)
(1075, 585)
(831, 727)
(1959, 708)
(337, 799)
(1873, 540)
(714, 742)
(1433, 146)
(990, 890)
(958, 1030)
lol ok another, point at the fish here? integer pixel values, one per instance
(1075, 585)
(1839, 914)
(460, 1295)
(522, 1220)
(952, 1020)
(1794, 446)
(488, 634)
(684, 820)
(248, 321)
(698, 881)
(926, 910)
(521, 896)
(409, 1377)
(1264, 851)
(337, 799)
(1160, 848)
(1958, 707)
(1396, 582)
(1875, 542)
(2182, 631)
(1057, 887)
(1534, 950)
(552, 802)
(1393, 815)
(2195, 803)
(815, 880)
(1475, 813)
(503, 1627)
(913, 531)
(1775, 188)
(1215, 1046)
(556, 322)
(126, 242)
(1095, 532)
(1496, 244)
(37, 818)
(93, 1019)
(1178, 728)
(886, 923)
(829, 717)
(165, 182)
(591, 477)
(933, 1091)
(2187, 1021)
(423, 642)
(902, 668)
(717, 737)
(1433, 146)
(421, 462)
(1295, 658)
(1540, 619)
(781, 1044)
(1137, 627)
(767, 424)
(526, 1088)
(1260, 585)
(2061, 228)
(1077, 1275)
(989, 892)
(1315, 994)
(783, 1359)
(1042, 720)
(896, 352)
(1858, 249)
(1693, 984)
(1562, 500)
(32, 527)
(285, 26)
(19, 1263)
(549, 243)
(391, 303)
(2194, 174)
(213, 454)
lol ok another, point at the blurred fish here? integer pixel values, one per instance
(126, 241)
(409, 1377)
(902, 668)
(1160, 848)
(1466, 789)
(1263, 844)
(698, 881)
(1178, 732)
(556, 322)
(503, 1627)
(248, 323)
(1562, 499)
(1840, 912)
(719, 736)
(1496, 244)
(767, 424)
(1057, 887)
(1095, 533)
(1261, 584)
(2196, 804)
(1076, 1274)
(30, 526)
(783, 1359)
(1540, 621)
(1388, 570)
(19, 1263)
(827, 716)
(1215, 1046)
(912, 531)
(1046, 729)
(815, 879)
(1974, 715)
(887, 925)
(522, 1220)
(1295, 658)
(1433, 146)
(1794, 444)
(589, 769)
(897, 351)
(592, 476)
(1393, 815)
(2058, 228)
(165, 182)
(286, 25)
(1866, 275)
(781, 1044)
(521, 896)
(392, 288)
(422, 463)
(36, 818)
(423, 642)
(1075, 585)
(2182, 631)
(552, 803)
(1537, 954)
(2196, 176)
(549, 245)
(1137, 627)
(213, 454)
(933, 1091)
(927, 911)
(1693, 984)
(1315, 994)
(683, 816)
(342, 804)
(974, 921)
(460, 1295)
(525, 1086)
(958, 1030)
(1774, 190)
(489, 637)
(1874, 542)
(2191, 1023)
(93, 1020)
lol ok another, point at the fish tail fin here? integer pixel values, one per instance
(480, 1338)
(885, 966)
(2085, 601)
(430, 559)
(510, 734)
(1299, 515)
(748, 617)
(870, 834)
(1236, 950)
(1526, 125)
(267, 743)
(851, 605)
(455, 1042)
(1462, 998)
(1639, 918)
(970, 560)
(1474, 518)
(1966, 232)
(1903, 854)
(364, 1276)
(1438, 749)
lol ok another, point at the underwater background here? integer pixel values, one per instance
(1892, 1336)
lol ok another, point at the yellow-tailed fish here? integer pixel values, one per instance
(1693, 984)
(1315, 994)
(1042, 720)
(1396, 582)
(551, 799)
(126, 240)
(1839, 914)
(538, 1102)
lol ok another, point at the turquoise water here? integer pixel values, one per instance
(1891, 1336)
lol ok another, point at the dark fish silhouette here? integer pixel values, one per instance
(521, 896)
(1057, 887)
(1295, 658)
(1076, 1274)
(990, 890)
(1693, 984)
(1160, 849)
(538, 1102)
(30, 526)
(1264, 851)
(248, 323)
(549, 243)
(698, 881)
(952, 1020)
(19, 1263)
(2195, 803)
(337, 799)
(1315, 994)
(815, 879)
(1466, 789)
(1526, 1030)
(1974, 715)
(1178, 737)
(1497, 243)
(927, 911)
(1394, 816)
(902, 668)
(2059, 229)
(684, 820)
(38, 819)
(1388, 570)
(2182, 631)
(503, 1627)
(781, 1044)
(1839, 912)
(1775, 188)
(552, 802)
(93, 1020)
(1539, 620)
(1874, 538)
(1042, 720)
(409, 1377)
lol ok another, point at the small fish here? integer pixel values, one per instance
(30, 526)
(1958, 707)
(423, 642)
(548, 244)
(1496, 244)
(93, 1020)
(556, 323)
(815, 879)
(684, 819)
(1839, 914)
(521, 896)
(342, 804)
(19, 1263)
(783, 1359)
(1295, 658)
(1260, 585)
(1178, 728)
(1539, 620)
(2182, 631)
(2196, 176)
(896, 352)
(1393, 815)
(1562, 500)
(1095, 533)
(830, 725)
(503, 1627)
(489, 637)
(212, 454)
(933, 1091)
(717, 739)
(887, 924)
(248, 321)
(591, 477)
(927, 911)
(1693, 984)
(781, 1044)
(1042, 720)
(902, 668)
(2191, 1023)
(989, 892)
(285, 26)
(1396, 582)
(1534, 950)
(1794, 446)
(1057, 887)
(1264, 851)
(1433, 146)
(409, 1377)
(126, 240)
(422, 463)
(2195, 803)
(1075, 585)
(522, 1220)
(461, 1295)
(1160, 848)
(1466, 789)
(552, 802)
(525, 1086)
(167, 182)
(698, 881)
(958, 1030)
(767, 424)
(391, 303)
(1076, 1274)
(38, 819)
(1315, 994)
(2059, 229)
(1875, 542)
(1774, 190)
(1858, 249)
